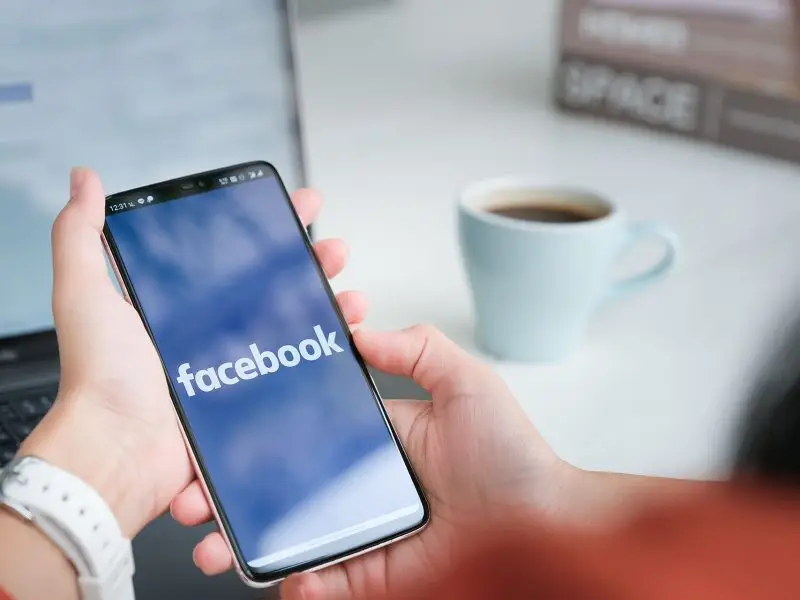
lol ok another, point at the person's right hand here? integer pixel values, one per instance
(477, 453)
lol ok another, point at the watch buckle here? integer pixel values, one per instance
(10, 471)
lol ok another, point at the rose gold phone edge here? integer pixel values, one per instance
(207, 493)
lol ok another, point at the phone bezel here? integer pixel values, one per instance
(248, 575)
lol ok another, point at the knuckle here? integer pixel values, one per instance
(62, 224)
(426, 331)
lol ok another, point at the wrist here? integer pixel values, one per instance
(25, 554)
(84, 441)
(559, 491)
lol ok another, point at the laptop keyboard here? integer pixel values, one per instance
(19, 414)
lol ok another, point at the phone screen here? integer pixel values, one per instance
(284, 420)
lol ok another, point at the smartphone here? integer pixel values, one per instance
(286, 428)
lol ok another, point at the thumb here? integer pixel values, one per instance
(79, 267)
(426, 355)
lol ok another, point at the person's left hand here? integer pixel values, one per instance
(113, 423)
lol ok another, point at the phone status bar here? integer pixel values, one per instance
(118, 206)
(180, 188)
(240, 177)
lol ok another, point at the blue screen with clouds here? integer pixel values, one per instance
(300, 457)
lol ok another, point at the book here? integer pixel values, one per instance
(725, 71)
(757, 9)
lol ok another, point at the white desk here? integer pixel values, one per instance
(404, 105)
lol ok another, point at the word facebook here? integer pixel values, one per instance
(261, 363)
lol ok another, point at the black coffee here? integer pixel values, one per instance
(549, 213)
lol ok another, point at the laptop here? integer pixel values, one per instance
(140, 91)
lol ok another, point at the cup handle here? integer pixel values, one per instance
(636, 233)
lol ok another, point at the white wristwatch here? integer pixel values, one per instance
(77, 520)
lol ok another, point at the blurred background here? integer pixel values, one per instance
(684, 111)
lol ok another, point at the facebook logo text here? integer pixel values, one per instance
(258, 363)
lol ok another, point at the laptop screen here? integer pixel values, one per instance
(140, 91)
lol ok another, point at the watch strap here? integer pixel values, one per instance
(77, 520)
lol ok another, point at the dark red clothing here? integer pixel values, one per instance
(732, 545)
